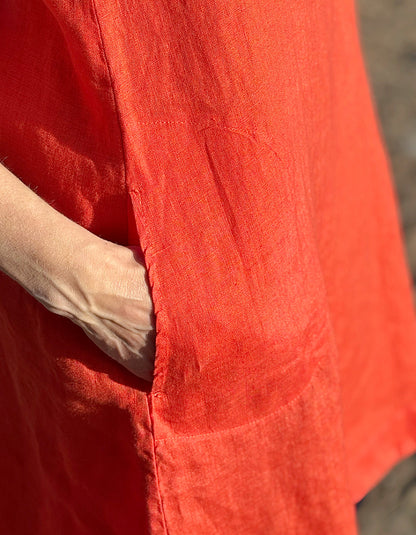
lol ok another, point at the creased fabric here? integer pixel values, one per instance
(236, 142)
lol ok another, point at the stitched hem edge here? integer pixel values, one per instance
(384, 452)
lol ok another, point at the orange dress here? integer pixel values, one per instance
(236, 142)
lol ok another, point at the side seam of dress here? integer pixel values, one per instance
(153, 499)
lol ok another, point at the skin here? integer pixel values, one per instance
(99, 285)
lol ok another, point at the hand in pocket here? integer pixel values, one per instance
(109, 298)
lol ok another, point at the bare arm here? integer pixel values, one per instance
(32, 234)
(97, 284)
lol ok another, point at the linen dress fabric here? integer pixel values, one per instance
(237, 143)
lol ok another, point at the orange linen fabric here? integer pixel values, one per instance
(236, 142)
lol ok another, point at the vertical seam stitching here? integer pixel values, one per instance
(156, 468)
(123, 151)
(115, 101)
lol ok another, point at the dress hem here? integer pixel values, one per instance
(382, 455)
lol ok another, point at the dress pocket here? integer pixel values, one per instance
(134, 238)
(241, 314)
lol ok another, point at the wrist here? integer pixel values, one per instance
(49, 268)
(64, 263)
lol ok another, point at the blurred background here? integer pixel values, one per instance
(388, 37)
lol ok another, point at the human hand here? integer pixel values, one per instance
(106, 293)
(99, 285)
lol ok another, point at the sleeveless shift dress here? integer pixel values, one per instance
(236, 142)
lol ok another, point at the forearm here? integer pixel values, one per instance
(37, 243)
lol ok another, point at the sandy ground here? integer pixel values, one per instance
(388, 37)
